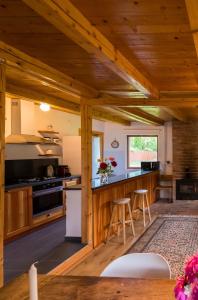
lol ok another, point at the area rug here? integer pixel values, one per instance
(174, 237)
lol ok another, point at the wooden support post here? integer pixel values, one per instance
(86, 157)
(2, 150)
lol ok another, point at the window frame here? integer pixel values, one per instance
(141, 135)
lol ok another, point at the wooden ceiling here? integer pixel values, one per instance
(117, 54)
(155, 35)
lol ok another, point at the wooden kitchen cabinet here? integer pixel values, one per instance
(18, 211)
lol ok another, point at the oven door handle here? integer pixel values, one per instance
(47, 191)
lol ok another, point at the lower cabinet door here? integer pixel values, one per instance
(18, 211)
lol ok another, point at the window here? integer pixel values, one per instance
(141, 148)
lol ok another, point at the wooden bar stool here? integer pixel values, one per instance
(123, 202)
(142, 195)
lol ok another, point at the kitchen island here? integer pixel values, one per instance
(117, 187)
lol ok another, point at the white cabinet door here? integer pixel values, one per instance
(73, 215)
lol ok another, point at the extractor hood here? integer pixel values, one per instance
(17, 137)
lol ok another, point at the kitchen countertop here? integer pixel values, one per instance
(24, 184)
(96, 183)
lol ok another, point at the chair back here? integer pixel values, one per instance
(138, 265)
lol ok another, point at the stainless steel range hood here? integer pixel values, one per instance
(16, 136)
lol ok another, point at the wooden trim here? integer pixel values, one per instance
(86, 161)
(101, 135)
(70, 21)
(2, 159)
(72, 261)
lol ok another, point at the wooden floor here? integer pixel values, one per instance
(94, 264)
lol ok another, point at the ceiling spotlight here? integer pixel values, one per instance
(44, 107)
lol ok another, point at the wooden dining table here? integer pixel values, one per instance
(88, 287)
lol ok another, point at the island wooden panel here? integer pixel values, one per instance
(102, 198)
(88, 288)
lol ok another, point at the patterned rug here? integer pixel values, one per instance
(174, 237)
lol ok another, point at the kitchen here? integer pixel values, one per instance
(42, 159)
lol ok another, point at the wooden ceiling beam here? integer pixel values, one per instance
(69, 20)
(141, 116)
(176, 113)
(171, 102)
(192, 9)
(63, 105)
(43, 73)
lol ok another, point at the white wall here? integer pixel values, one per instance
(120, 132)
(69, 124)
(66, 124)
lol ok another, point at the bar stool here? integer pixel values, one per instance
(123, 202)
(142, 194)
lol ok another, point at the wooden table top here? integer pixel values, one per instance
(87, 288)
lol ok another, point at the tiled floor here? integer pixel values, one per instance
(45, 245)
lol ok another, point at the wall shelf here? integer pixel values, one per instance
(50, 136)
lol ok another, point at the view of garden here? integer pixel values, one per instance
(141, 148)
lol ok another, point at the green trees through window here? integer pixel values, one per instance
(141, 148)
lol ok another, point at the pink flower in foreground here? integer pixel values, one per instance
(191, 268)
(194, 293)
(179, 289)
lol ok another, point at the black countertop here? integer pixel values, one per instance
(96, 183)
(24, 184)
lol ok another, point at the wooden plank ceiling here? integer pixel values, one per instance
(135, 58)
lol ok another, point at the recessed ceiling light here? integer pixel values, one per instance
(44, 107)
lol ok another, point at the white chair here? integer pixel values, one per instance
(138, 265)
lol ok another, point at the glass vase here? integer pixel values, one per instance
(104, 178)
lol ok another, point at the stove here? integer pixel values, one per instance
(32, 180)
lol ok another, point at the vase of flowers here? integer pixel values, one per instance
(187, 285)
(105, 168)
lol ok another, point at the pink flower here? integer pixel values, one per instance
(111, 158)
(179, 289)
(194, 293)
(191, 268)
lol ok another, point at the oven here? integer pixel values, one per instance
(47, 197)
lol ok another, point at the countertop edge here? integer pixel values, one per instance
(124, 179)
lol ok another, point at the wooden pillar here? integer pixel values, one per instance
(86, 162)
(2, 150)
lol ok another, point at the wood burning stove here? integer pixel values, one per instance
(187, 189)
